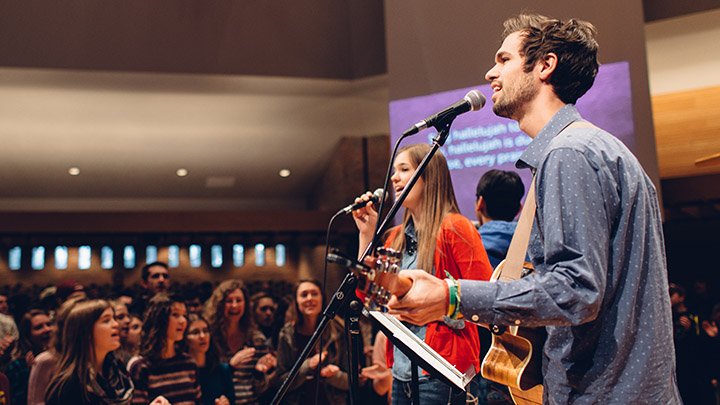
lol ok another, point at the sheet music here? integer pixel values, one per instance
(425, 352)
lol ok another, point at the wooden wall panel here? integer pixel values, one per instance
(687, 127)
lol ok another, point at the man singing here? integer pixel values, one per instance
(600, 281)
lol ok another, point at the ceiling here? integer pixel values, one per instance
(233, 91)
(131, 91)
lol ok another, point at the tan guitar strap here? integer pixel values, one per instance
(513, 266)
(515, 258)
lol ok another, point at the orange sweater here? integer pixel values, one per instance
(459, 250)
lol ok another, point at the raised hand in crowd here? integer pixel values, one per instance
(222, 401)
(160, 401)
(243, 356)
(266, 363)
(710, 328)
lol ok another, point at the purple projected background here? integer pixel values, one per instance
(480, 140)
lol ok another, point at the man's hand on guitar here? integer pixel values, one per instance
(426, 301)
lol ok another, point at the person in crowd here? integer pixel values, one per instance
(193, 302)
(686, 336)
(134, 335)
(498, 196)
(600, 282)
(87, 372)
(70, 289)
(8, 331)
(126, 296)
(378, 372)
(240, 343)
(685, 323)
(326, 368)
(4, 306)
(36, 331)
(434, 236)
(700, 299)
(710, 361)
(155, 279)
(45, 364)
(122, 316)
(216, 381)
(263, 309)
(162, 369)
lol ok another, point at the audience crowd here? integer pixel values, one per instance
(169, 343)
(233, 343)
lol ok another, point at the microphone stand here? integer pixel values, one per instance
(345, 299)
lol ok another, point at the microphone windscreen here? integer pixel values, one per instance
(378, 195)
(476, 100)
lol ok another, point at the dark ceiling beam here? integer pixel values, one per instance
(322, 39)
(662, 9)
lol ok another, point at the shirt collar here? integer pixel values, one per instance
(535, 151)
(410, 237)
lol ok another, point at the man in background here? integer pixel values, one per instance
(155, 279)
(498, 201)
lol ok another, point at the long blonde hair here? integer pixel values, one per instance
(438, 200)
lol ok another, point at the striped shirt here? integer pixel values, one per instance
(175, 379)
(248, 382)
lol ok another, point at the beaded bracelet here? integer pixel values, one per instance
(453, 296)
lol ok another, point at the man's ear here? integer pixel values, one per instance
(480, 205)
(546, 66)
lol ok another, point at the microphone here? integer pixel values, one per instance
(377, 195)
(473, 101)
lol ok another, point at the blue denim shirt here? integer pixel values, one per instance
(496, 237)
(401, 369)
(600, 282)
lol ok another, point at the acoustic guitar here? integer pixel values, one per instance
(515, 355)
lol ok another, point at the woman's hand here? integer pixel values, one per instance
(365, 217)
(329, 371)
(29, 358)
(161, 400)
(222, 400)
(243, 356)
(266, 363)
(710, 328)
(316, 359)
(375, 372)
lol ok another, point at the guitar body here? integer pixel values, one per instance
(515, 359)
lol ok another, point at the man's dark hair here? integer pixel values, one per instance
(502, 192)
(146, 269)
(676, 289)
(573, 41)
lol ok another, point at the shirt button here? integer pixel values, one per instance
(475, 318)
(517, 322)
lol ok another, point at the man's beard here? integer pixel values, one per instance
(516, 98)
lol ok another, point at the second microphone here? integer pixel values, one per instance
(377, 195)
